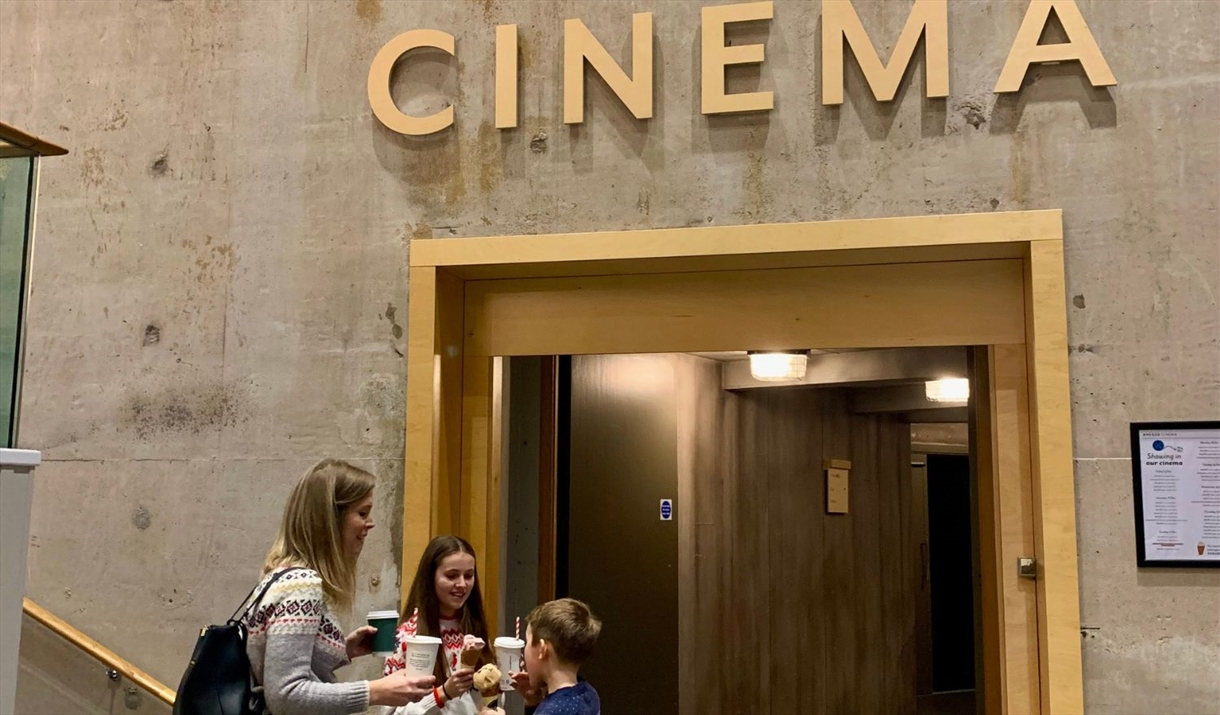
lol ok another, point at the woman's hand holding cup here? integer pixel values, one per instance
(360, 642)
(398, 689)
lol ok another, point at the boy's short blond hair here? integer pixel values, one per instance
(569, 626)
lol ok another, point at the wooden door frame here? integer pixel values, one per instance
(991, 280)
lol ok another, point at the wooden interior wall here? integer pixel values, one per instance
(783, 608)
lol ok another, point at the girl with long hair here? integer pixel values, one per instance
(445, 602)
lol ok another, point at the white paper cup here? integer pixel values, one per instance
(510, 657)
(421, 654)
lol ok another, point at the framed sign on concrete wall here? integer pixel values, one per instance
(1176, 472)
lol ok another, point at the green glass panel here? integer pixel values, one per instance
(15, 175)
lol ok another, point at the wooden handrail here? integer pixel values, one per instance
(10, 135)
(100, 652)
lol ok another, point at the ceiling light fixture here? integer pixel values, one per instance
(779, 366)
(952, 389)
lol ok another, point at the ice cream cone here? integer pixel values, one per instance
(489, 697)
(487, 682)
(472, 648)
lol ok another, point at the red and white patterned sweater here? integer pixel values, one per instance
(451, 644)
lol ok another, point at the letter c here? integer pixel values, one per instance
(379, 83)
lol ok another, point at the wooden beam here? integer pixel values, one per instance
(447, 477)
(433, 448)
(785, 238)
(743, 262)
(963, 303)
(1054, 481)
(1010, 619)
(418, 502)
(14, 142)
(480, 475)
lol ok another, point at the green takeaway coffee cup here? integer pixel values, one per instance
(386, 623)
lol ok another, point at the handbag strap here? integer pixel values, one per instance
(254, 606)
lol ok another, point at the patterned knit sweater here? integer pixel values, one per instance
(451, 647)
(295, 644)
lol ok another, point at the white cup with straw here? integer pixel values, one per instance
(510, 656)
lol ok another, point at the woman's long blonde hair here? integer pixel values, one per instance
(311, 532)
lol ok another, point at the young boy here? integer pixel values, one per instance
(559, 638)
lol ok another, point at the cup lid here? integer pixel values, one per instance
(509, 642)
(378, 615)
(426, 640)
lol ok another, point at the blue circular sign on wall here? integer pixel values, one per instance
(1158, 445)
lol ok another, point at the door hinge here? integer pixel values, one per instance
(1027, 567)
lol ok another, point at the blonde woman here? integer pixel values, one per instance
(295, 642)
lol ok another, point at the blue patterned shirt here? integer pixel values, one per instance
(580, 699)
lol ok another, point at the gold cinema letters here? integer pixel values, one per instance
(841, 28)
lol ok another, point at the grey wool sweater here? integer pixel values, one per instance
(295, 645)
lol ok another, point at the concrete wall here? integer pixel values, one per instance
(220, 296)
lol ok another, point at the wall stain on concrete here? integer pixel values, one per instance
(385, 398)
(152, 333)
(182, 411)
(390, 314)
(1078, 301)
(213, 257)
(973, 112)
(491, 166)
(92, 171)
(758, 198)
(525, 50)
(376, 420)
(160, 164)
(455, 190)
(389, 493)
(117, 120)
(1019, 172)
(141, 518)
(432, 169)
(369, 11)
(488, 9)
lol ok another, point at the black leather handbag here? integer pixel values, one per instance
(218, 680)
